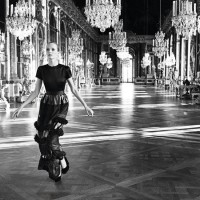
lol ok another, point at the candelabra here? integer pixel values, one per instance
(21, 21)
(75, 43)
(184, 18)
(103, 58)
(102, 13)
(117, 39)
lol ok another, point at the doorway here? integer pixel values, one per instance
(127, 71)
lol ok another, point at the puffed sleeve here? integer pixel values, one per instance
(39, 73)
(68, 72)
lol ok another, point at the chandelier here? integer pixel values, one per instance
(123, 53)
(184, 18)
(103, 58)
(75, 43)
(102, 13)
(170, 60)
(146, 60)
(26, 48)
(109, 63)
(159, 44)
(21, 21)
(117, 39)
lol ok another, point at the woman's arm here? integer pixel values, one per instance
(31, 97)
(77, 95)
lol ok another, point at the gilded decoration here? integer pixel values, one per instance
(39, 8)
(74, 13)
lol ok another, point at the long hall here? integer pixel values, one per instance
(141, 144)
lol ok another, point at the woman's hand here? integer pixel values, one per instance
(89, 111)
(16, 112)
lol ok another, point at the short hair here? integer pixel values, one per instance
(55, 44)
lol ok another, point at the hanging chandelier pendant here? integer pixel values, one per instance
(123, 53)
(109, 63)
(146, 60)
(117, 39)
(170, 60)
(185, 18)
(103, 58)
(21, 21)
(102, 13)
(159, 44)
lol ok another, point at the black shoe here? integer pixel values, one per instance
(58, 179)
(65, 170)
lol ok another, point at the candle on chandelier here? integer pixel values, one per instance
(195, 8)
(11, 9)
(33, 11)
(176, 8)
(179, 6)
(109, 35)
(173, 8)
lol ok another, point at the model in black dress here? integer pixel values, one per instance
(52, 113)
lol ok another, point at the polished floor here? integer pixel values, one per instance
(141, 144)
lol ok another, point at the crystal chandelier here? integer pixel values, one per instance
(170, 60)
(21, 21)
(117, 39)
(123, 53)
(103, 58)
(146, 60)
(75, 43)
(184, 18)
(159, 44)
(102, 13)
(109, 63)
(26, 48)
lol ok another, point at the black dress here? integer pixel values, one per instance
(53, 109)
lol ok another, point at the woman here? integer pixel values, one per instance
(52, 113)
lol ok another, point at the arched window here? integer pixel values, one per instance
(53, 31)
(63, 43)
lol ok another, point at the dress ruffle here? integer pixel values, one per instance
(54, 99)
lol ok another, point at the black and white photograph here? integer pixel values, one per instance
(100, 100)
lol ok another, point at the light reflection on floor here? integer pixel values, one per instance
(142, 142)
(70, 138)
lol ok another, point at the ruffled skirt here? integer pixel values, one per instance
(52, 106)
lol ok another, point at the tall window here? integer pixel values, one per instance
(63, 43)
(53, 30)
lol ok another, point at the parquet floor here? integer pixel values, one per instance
(141, 144)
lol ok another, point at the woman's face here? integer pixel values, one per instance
(52, 51)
